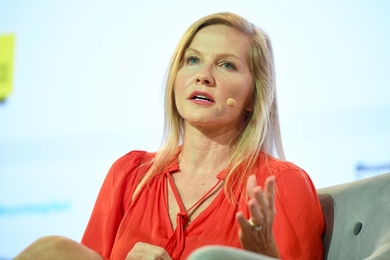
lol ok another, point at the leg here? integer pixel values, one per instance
(56, 247)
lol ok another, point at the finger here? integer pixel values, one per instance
(246, 227)
(269, 191)
(265, 202)
(250, 185)
(242, 221)
(142, 250)
(257, 204)
(256, 207)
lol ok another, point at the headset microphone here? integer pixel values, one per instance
(231, 102)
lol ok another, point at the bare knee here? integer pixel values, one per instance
(56, 247)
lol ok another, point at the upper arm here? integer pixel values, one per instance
(299, 221)
(108, 211)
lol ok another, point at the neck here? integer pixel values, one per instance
(205, 153)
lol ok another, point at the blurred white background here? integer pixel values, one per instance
(88, 89)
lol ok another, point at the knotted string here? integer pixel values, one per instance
(176, 242)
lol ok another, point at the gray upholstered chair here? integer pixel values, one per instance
(357, 216)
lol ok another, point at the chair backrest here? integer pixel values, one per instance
(357, 217)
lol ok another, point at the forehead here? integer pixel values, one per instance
(221, 37)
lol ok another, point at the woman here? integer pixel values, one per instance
(215, 181)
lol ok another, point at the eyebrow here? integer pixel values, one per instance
(220, 54)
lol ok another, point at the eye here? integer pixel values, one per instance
(228, 65)
(192, 60)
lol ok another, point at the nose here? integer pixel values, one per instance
(205, 76)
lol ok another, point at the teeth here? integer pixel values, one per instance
(202, 98)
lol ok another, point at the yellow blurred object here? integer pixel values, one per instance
(7, 46)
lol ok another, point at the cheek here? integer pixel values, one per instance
(183, 79)
(179, 85)
(242, 90)
(245, 93)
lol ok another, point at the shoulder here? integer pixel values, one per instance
(129, 165)
(133, 159)
(289, 177)
(125, 174)
(281, 169)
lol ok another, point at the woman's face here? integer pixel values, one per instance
(214, 68)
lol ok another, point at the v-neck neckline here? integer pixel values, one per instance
(173, 168)
(167, 183)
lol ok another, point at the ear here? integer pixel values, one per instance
(250, 103)
(249, 107)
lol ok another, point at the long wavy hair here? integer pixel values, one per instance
(261, 129)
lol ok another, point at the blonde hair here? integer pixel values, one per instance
(261, 129)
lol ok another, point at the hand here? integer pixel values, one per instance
(147, 251)
(256, 234)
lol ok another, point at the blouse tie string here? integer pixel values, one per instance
(176, 242)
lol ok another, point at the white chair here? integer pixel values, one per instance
(357, 217)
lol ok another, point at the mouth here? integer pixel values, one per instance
(201, 97)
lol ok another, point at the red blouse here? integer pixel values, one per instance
(116, 224)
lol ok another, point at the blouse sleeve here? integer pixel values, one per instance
(299, 221)
(113, 198)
